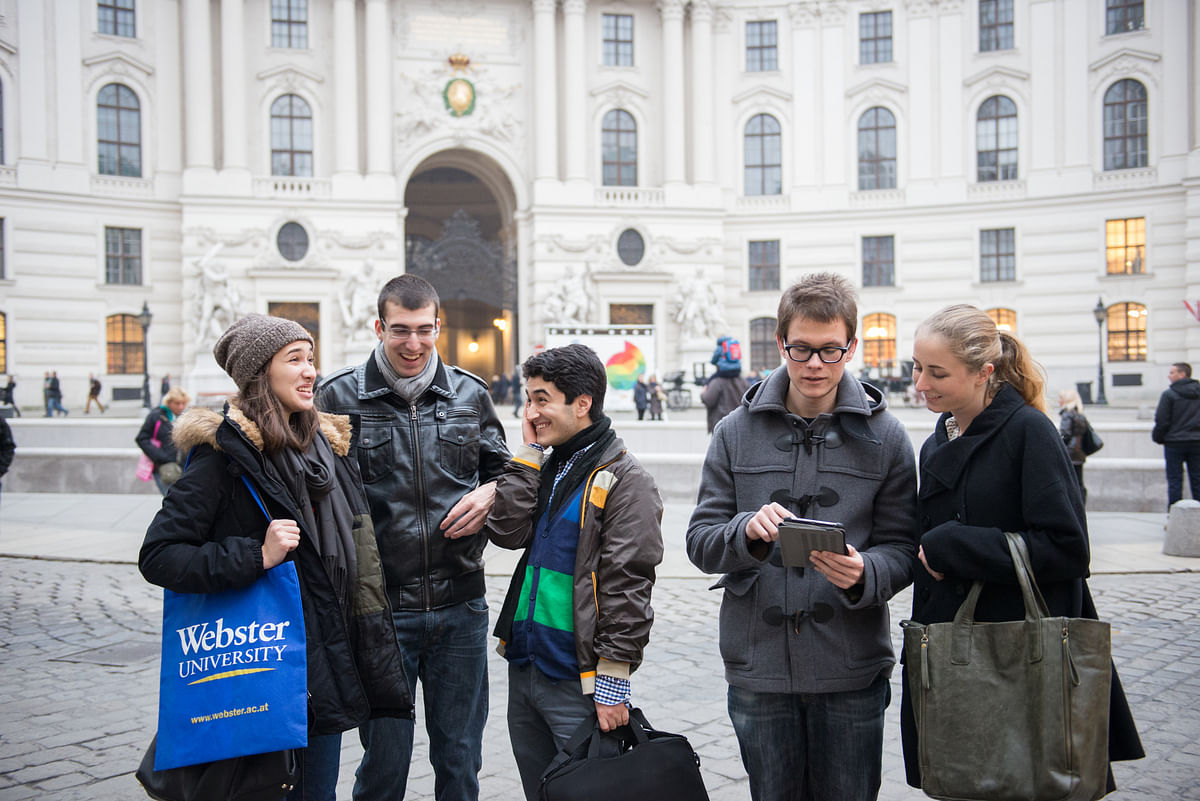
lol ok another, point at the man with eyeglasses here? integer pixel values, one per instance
(807, 650)
(430, 447)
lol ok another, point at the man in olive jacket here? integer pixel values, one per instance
(577, 616)
(808, 650)
(429, 445)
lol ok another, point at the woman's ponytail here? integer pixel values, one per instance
(1017, 367)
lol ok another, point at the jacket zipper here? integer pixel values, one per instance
(426, 594)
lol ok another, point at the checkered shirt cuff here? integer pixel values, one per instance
(611, 691)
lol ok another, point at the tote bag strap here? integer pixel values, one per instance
(257, 499)
(1035, 604)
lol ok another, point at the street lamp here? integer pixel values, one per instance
(144, 319)
(1100, 313)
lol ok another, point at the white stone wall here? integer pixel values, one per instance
(205, 75)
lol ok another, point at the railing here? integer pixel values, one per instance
(286, 186)
(876, 198)
(629, 196)
(761, 203)
(122, 186)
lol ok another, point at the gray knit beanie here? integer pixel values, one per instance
(247, 345)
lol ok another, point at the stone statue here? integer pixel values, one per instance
(699, 310)
(571, 300)
(357, 299)
(218, 302)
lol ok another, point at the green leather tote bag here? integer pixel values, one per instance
(1011, 711)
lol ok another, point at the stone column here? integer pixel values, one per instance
(574, 53)
(197, 83)
(807, 66)
(345, 88)
(702, 93)
(672, 90)
(379, 88)
(545, 123)
(233, 82)
(68, 85)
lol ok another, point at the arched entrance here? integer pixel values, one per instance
(460, 237)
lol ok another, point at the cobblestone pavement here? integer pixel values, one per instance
(78, 685)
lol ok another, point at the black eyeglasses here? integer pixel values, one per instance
(830, 354)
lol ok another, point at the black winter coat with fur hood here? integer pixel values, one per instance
(208, 537)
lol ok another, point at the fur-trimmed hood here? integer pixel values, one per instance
(198, 426)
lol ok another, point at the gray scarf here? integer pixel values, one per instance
(311, 480)
(408, 388)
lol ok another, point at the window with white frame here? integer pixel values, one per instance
(116, 18)
(875, 37)
(118, 131)
(291, 137)
(995, 25)
(289, 23)
(617, 30)
(763, 151)
(996, 140)
(879, 260)
(997, 255)
(1125, 125)
(122, 256)
(761, 46)
(764, 265)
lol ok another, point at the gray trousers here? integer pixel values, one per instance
(542, 716)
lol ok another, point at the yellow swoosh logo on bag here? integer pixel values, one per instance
(229, 674)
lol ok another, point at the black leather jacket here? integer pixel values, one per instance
(417, 461)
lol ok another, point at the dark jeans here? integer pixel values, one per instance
(316, 779)
(542, 716)
(446, 650)
(820, 746)
(1177, 456)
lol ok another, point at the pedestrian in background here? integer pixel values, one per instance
(641, 396)
(994, 464)
(165, 387)
(46, 392)
(8, 447)
(1073, 426)
(657, 397)
(9, 393)
(93, 394)
(158, 427)
(808, 652)
(210, 534)
(429, 446)
(724, 390)
(577, 616)
(54, 395)
(1177, 429)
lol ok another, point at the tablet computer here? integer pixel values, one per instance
(800, 536)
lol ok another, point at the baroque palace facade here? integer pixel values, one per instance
(592, 164)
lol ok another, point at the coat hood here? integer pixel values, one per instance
(853, 396)
(1187, 388)
(198, 426)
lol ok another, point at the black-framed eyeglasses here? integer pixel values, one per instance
(830, 354)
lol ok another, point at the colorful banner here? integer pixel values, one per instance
(627, 351)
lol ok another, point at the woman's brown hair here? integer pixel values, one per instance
(975, 341)
(279, 429)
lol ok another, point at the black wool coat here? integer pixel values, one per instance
(1009, 471)
(208, 537)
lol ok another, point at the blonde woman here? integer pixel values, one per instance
(1073, 425)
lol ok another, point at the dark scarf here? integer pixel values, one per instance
(600, 435)
(311, 480)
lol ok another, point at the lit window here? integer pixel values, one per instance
(618, 40)
(877, 149)
(879, 261)
(764, 265)
(1005, 319)
(4, 345)
(879, 340)
(764, 352)
(122, 256)
(761, 48)
(1127, 332)
(995, 25)
(116, 17)
(289, 23)
(875, 37)
(291, 137)
(997, 255)
(1121, 16)
(118, 126)
(125, 347)
(763, 156)
(1125, 243)
(618, 146)
(996, 140)
(1125, 125)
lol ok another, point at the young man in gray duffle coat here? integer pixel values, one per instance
(807, 651)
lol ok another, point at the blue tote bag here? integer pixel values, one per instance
(234, 671)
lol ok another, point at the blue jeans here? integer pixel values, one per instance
(826, 746)
(542, 716)
(316, 779)
(446, 650)
(1177, 456)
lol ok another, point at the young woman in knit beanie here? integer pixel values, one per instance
(211, 534)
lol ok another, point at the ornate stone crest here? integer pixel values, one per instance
(459, 93)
